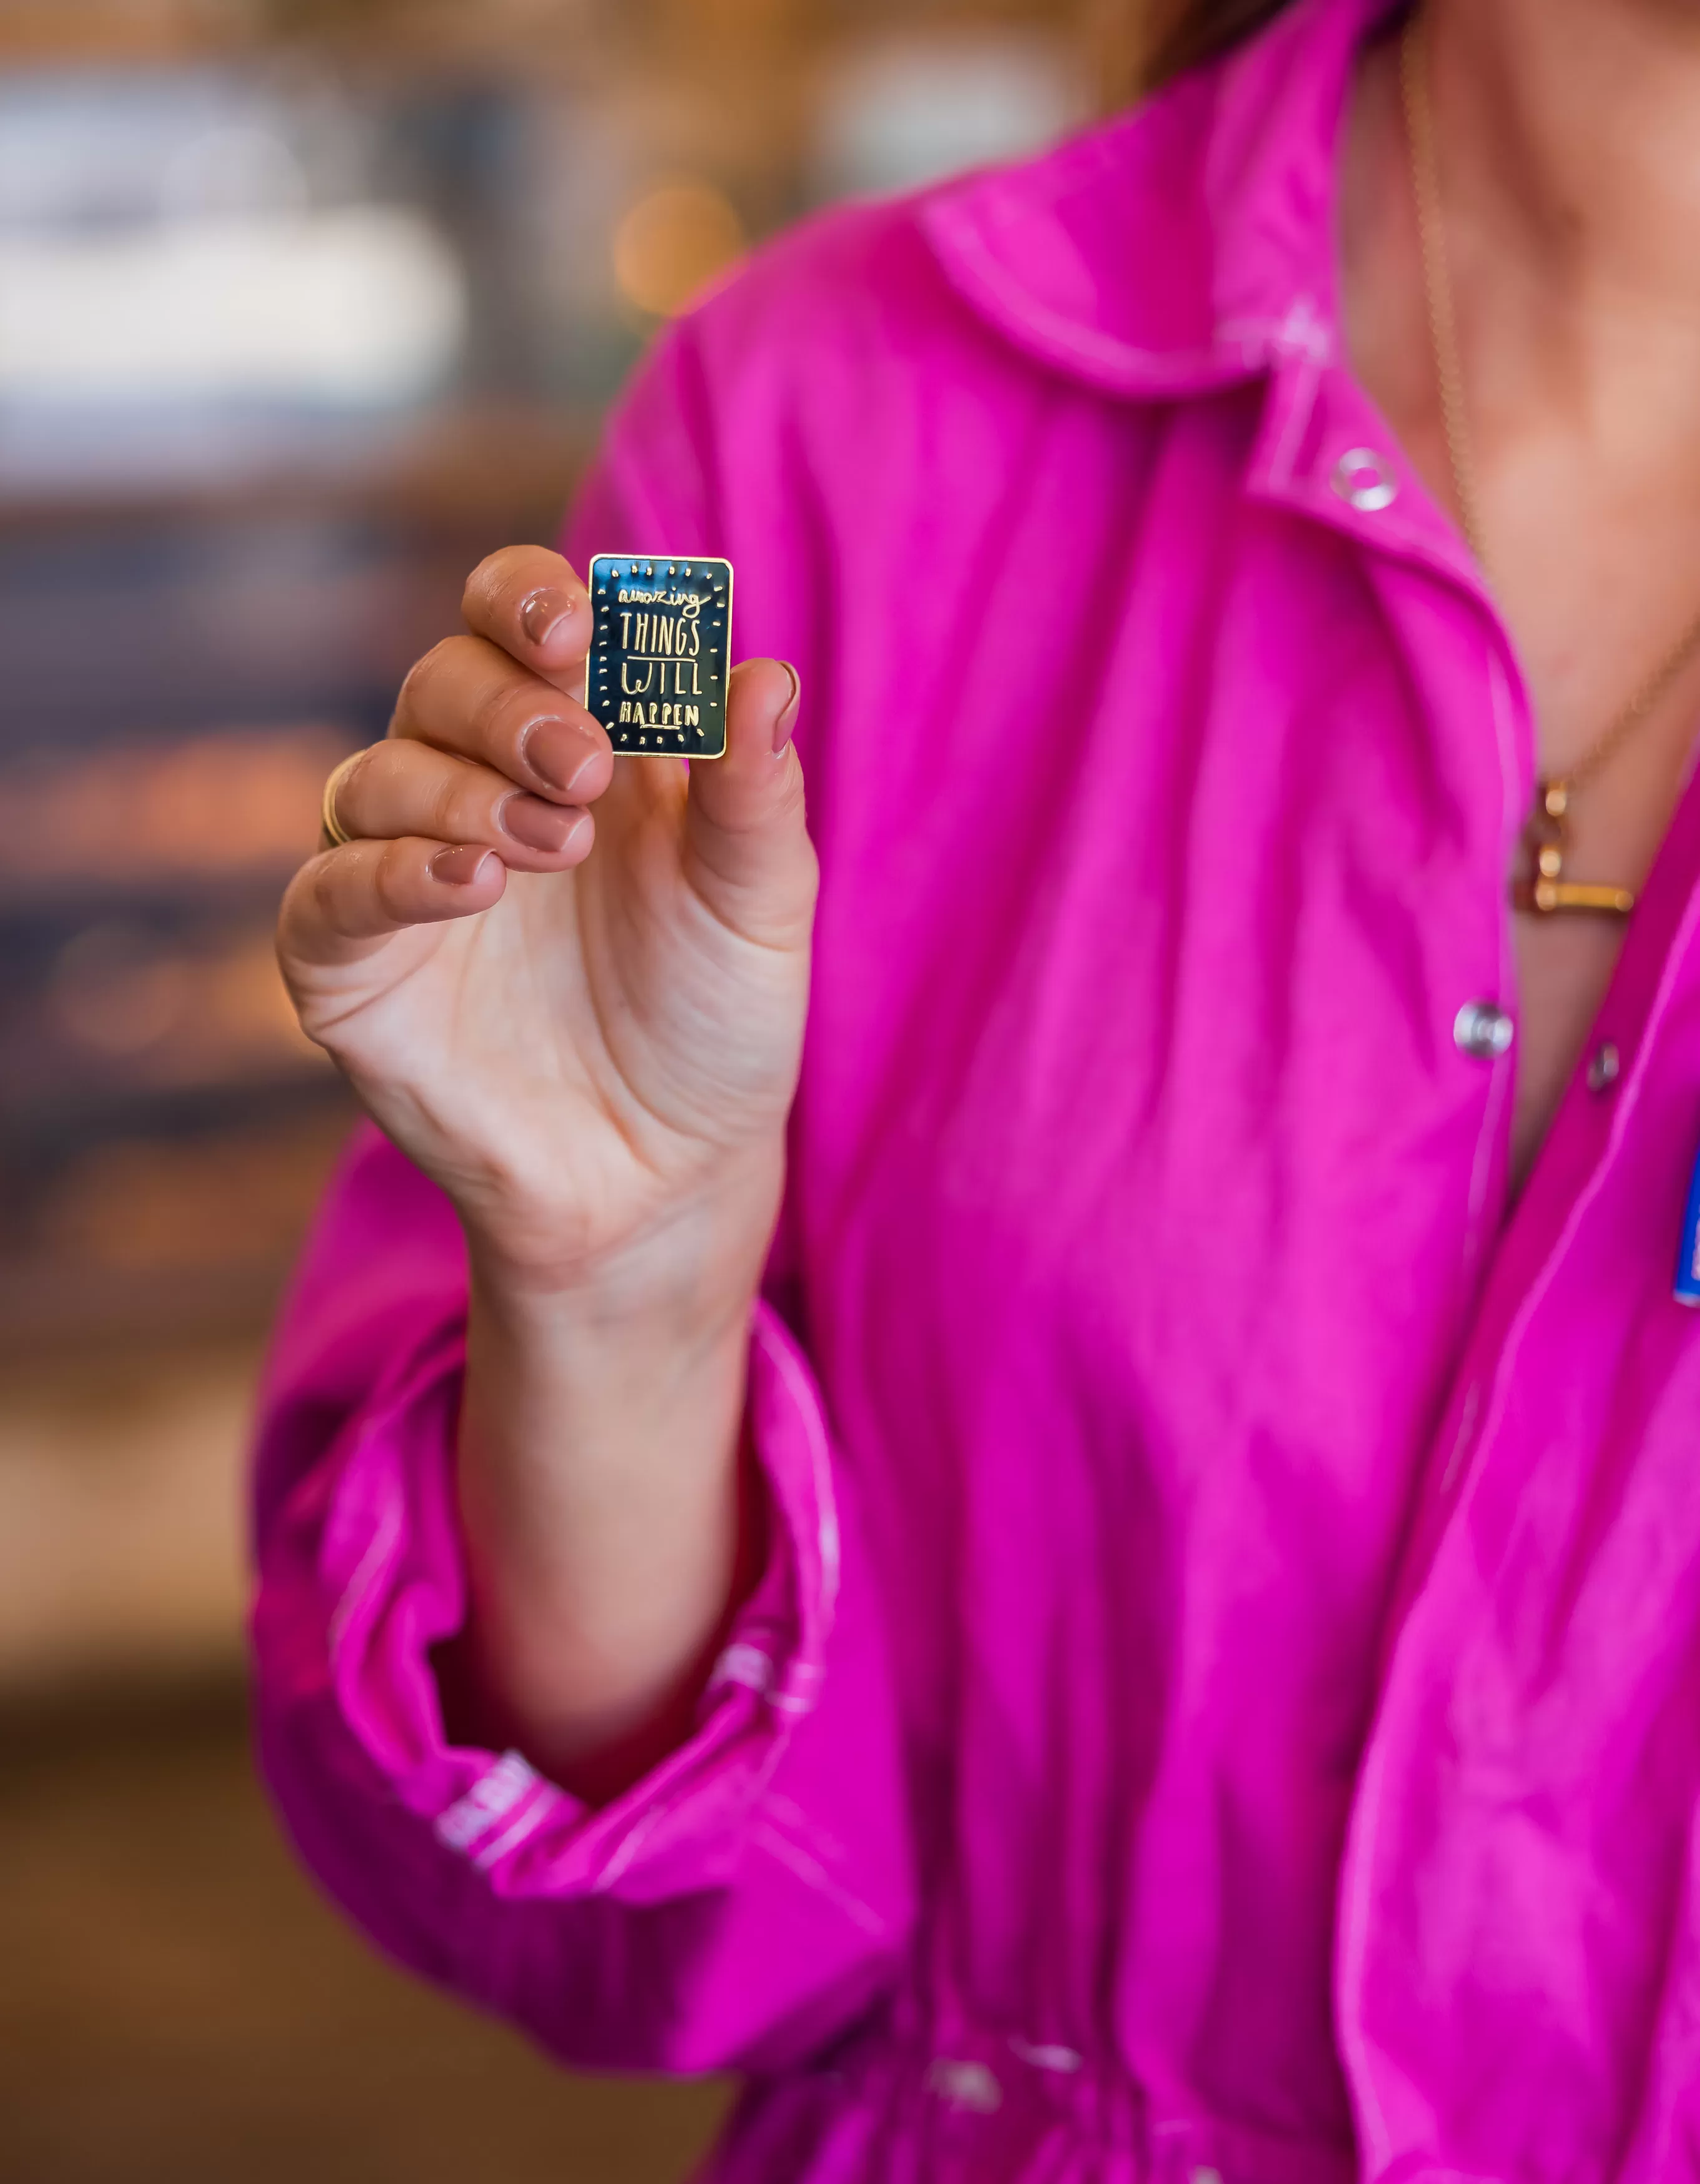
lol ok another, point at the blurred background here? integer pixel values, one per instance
(304, 306)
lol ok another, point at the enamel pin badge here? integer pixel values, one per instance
(660, 653)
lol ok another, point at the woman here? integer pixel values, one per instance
(1165, 1642)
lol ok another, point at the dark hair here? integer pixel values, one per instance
(1185, 32)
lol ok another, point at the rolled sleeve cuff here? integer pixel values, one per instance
(368, 1558)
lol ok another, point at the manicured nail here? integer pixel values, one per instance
(543, 613)
(539, 826)
(556, 753)
(459, 867)
(785, 726)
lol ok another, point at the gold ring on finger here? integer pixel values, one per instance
(335, 833)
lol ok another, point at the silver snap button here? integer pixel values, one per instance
(1605, 1067)
(1365, 481)
(1483, 1030)
(1047, 2055)
(1205, 2177)
(969, 2086)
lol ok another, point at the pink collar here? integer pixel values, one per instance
(1187, 244)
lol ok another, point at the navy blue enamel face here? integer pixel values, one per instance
(661, 653)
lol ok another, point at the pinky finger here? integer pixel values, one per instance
(350, 900)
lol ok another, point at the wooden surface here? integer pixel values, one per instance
(177, 2003)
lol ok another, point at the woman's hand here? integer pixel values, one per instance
(588, 1031)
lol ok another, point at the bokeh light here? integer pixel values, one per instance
(680, 238)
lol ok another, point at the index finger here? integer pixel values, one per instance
(530, 601)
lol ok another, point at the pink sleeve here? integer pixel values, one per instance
(748, 1900)
(737, 1908)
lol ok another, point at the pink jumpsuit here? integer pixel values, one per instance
(1225, 1699)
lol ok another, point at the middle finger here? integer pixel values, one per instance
(467, 696)
(402, 789)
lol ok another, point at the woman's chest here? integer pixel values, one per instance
(1161, 878)
(1143, 1122)
(1164, 1043)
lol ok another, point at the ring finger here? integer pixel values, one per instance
(400, 788)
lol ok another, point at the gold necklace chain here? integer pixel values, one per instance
(1545, 890)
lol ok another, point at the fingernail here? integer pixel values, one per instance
(556, 753)
(459, 867)
(543, 613)
(785, 726)
(539, 826)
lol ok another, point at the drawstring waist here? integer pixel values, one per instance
(974, 2106)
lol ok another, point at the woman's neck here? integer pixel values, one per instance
(1568, 142)
(1571, 141)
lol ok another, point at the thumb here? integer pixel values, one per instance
(747, 847)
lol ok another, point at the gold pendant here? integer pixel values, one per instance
(1546, 891)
